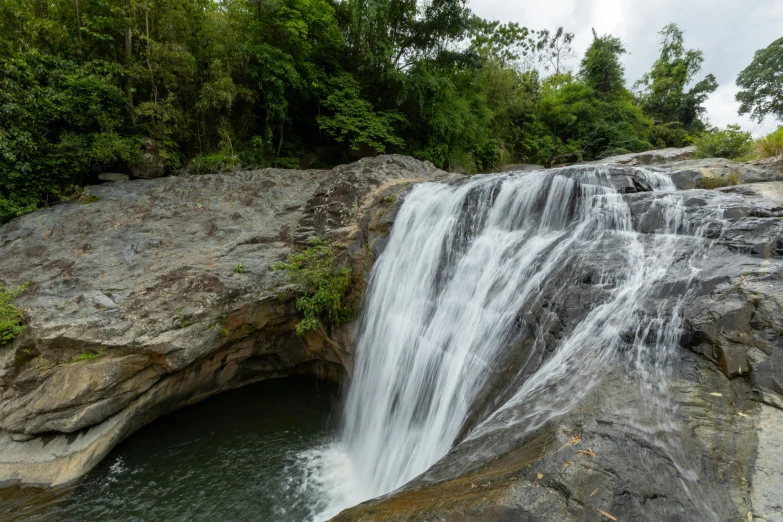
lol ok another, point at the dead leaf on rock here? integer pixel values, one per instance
(607, 515)
(588, 452)
(576, 439)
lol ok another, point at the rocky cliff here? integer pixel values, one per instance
(136, 306)
(725, 387)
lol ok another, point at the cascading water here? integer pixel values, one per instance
(465, 265)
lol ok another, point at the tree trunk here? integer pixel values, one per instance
(149, 50)
(280, 143)
(79, 25)
(128, 57)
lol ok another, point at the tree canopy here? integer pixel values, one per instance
(668, 92)
(761, 84)
(85, 84)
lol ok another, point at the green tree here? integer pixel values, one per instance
(293, 46)
(457, 126)
(594, 115)
(506, 43)
(761, 84)
(555, 50)
(588, 127)
(60, 121)
(664, 90)
(601, 67)
(354, 120)
(730, 143)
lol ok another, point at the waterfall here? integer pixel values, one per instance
(459, 334)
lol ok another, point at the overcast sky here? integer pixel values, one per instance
(728, 31)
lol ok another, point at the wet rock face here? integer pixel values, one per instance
(724, 385)
(136, 306)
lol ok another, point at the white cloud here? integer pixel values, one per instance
(728, 31)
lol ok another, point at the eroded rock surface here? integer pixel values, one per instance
(137, 305)
(688, 172)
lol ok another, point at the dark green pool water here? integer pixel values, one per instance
(232, 457)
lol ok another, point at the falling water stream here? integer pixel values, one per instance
(463, 263)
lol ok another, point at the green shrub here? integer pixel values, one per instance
(11, 318)
(183, 323)
(285, 163)
(614, 151)
(60, 121)
(729, 143)
(323, 282)
(671, 134)
(771, 145)
(215, 163)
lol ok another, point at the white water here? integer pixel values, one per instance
(444, 298)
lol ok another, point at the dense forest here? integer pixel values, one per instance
(89, 86)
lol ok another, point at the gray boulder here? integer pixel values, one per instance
(688, 172)
(136, 308)
(651, 157)
(151, 165)
(697, 173)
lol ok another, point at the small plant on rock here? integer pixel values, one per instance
(732, 179)
(87, 355)
(323, 282)
(11, 318)
(88, 197)
(183, 323)
(240, 268)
